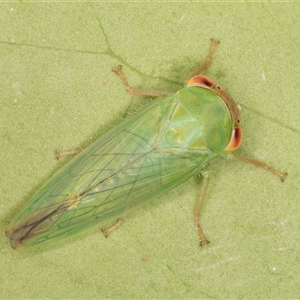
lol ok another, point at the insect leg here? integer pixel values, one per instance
(59, 154)
(208, 59)
(260, 164)
(202, 238)
(109, 230)
(136, 92)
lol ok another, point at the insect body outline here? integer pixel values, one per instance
(162, 145)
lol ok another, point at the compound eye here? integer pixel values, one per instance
(235, 139)
(200, 80)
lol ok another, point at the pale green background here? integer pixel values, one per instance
(57, 92)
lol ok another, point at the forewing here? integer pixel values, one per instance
(119, 172)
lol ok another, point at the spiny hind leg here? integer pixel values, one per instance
(59, 154)
(109, 230)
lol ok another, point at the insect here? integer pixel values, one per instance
(158, 148)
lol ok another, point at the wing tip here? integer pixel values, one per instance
(16, 244)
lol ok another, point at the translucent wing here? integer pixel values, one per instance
(122, 170)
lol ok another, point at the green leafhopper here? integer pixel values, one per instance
(158, 148)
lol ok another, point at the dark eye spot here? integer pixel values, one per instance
(207, 82)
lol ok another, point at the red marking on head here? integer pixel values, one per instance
(235, 139)
(200, 80)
